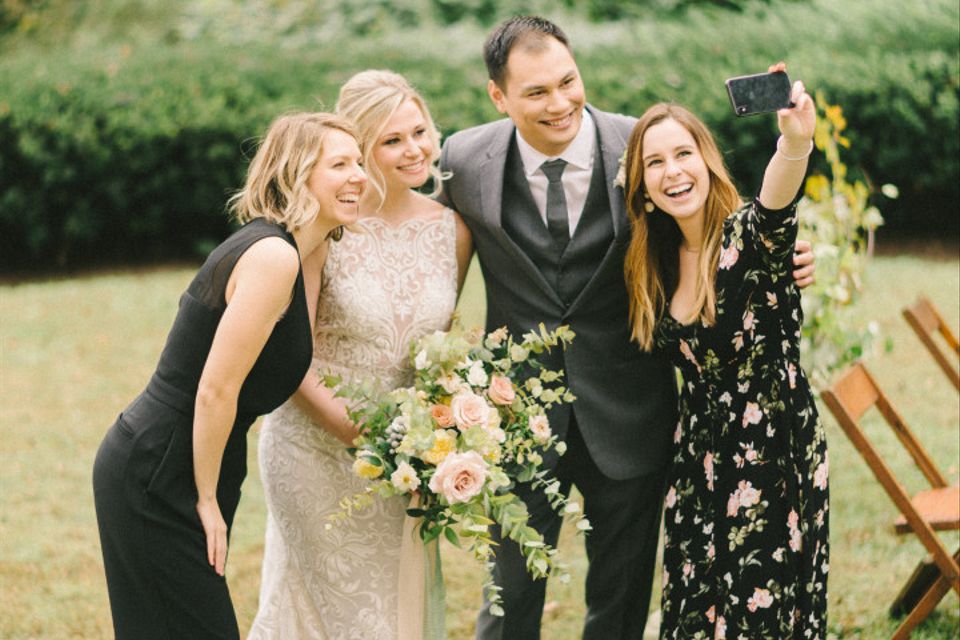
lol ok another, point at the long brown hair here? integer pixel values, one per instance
(652, 264)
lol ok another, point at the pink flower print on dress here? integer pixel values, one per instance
(688, 354)
(712, 613)
(752, 414)
(749, 496)
(795, 537)
(708, 469)
(671, 498)
(733, 504)
(792, 375)
(720, 629)
(772, 300)
(820, 475)
(761, 599)
(749, 321)
(729, 257)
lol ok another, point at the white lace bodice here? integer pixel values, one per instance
(384, 286)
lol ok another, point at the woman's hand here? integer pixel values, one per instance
(797, 123)
(215, 528)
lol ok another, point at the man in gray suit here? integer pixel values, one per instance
(550, 230)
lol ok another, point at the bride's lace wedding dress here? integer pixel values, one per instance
(383, 286)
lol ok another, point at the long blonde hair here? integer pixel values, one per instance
(276, 184)
(651, 266)
(369, 99)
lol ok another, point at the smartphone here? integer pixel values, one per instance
(759, 93)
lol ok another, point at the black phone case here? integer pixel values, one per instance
(759, 93)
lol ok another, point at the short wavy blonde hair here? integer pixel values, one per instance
(369, 99)
(276, 184)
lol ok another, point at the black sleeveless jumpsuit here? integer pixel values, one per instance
(154, 548)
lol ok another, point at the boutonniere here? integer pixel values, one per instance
(621, 179)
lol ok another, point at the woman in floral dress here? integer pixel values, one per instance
(746, 550)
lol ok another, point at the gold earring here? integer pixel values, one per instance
(648, 205)
(336, 234)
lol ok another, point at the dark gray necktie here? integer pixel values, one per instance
(558, 224)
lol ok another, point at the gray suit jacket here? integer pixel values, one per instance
(626, 400)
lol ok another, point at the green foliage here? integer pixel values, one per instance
(124, 142)
(836, 215)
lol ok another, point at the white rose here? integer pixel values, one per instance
(477, 376)
(540, 427)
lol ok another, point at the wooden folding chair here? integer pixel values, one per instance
(935, 509)
(925, 320)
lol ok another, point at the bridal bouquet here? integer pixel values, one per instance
(473, 424)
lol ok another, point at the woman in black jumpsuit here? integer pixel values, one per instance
(167, 476)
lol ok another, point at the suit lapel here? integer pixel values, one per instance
(612, 144)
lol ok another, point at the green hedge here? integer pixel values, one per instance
(127, 153)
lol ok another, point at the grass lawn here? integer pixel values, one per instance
(74, 352)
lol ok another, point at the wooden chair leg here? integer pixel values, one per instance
(923, 609)
(919, 583)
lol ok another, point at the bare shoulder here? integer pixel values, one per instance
(271, 257)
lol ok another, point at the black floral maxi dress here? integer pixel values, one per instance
(746, 550)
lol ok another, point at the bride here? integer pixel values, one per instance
(392, 279)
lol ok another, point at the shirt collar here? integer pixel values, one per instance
(579, 153)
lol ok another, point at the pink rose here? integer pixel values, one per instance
(501, 390)
(459, 477)
(469, 409)
(442, 415)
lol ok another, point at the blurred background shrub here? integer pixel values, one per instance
(125, 124)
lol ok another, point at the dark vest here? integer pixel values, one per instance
(569, 272)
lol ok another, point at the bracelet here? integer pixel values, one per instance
(794, 158)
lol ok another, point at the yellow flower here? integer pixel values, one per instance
(444, 443)
(366, 469)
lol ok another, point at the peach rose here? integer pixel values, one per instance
(469, 409)
(459, 477)
(442, 415)
(501, 390)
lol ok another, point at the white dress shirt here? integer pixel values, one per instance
(576, 175)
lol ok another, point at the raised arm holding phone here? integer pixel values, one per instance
(746, 544)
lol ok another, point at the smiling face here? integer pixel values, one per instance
(675, 174)
(337, 179)
(542, 93)
(402, 152)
